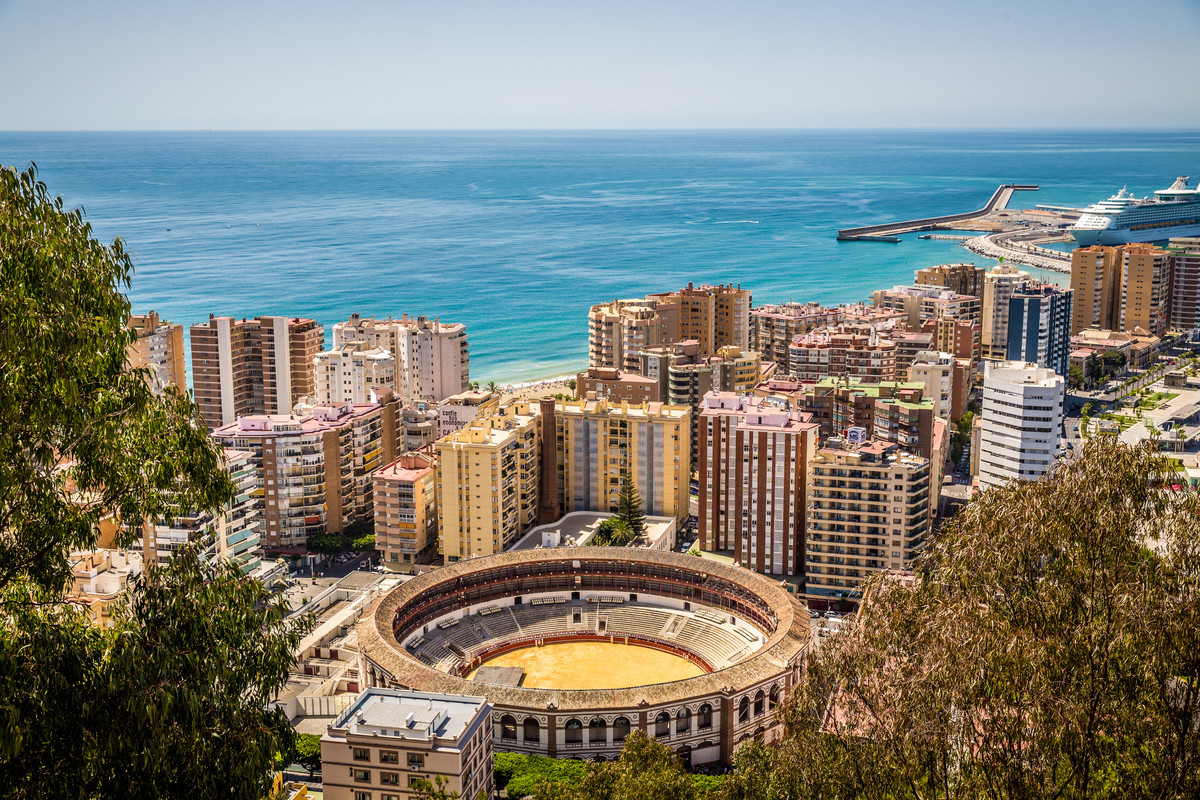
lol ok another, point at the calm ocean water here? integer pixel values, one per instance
(517, 234)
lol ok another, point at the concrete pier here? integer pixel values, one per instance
(999, 200)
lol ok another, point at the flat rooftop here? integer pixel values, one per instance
(581, 526)
(422, 716)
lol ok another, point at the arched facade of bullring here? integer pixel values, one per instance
(746, 632)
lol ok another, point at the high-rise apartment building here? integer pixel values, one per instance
(999, 283)
(947, 382)
(922, 303)
(615, 386)
(1121, 288)
(388, 739)
(1184, 314)
(433, 358)
(235, 533)
(315, 471)
(908, 345)
(960, 337)
(1022, 422)
(682, 375)
(1145, 288)
(457, 411)
(755, 467)
(713, 316)
(960, 278)
(1096, 288)
(158, 348)
(1039, 325)
(258, 366)
(872, 507)
(599, 444)
(773, 327)
(869, 356)
(488, 476)
(352, 373)
(405, 497)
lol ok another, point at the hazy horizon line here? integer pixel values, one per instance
(747, 129)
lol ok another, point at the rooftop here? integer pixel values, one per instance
(422, 716)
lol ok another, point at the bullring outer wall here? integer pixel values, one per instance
(741, 698)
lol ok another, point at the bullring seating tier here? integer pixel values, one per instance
(709, 634)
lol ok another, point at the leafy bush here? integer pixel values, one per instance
(523, 774)
(364, 543)
(329, 544)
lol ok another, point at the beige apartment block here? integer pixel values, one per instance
(418, 427)
(406, 516)
(773, 327)
(614, 385)
(1184, 315)
(1145, 288)
(947, 382)
(315, 471)
(355, 372)
(871, 512)
(714, 316)
(908, 344)
(870, 356)
(1096, 288)
(755, 468)
(960, 278)
(599, 444)
(390, 740)
(433, 358)
(457, 411)
(999, 284)
(488, 477)
(620, 330)
(158, 348)
(258, 366)
(922, 303)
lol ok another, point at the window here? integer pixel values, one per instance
(683, 720)
(362, 754)
(362, 796)
(416, 760)
(620, 729)
(361, 775)
(662, 725)
(574, 731)
(533, 731)
(389, 778)
(389, 757)
(744, 709)
(508, 728)
(705, 717)
(759, 702)
(597, 731)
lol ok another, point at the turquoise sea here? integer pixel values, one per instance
(517, 234)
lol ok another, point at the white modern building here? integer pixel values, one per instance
(432, 357)
(999, 283)
(936, 371)
(1022, 422)
(351, 373)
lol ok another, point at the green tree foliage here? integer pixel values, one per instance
(629, 508)
(436, 790)
(364, 543)
(646, 770)
(329, 544)
(307, 752)
(80, 434)
(1048, 648)
(171, 701)
(613, 532)
(1075, 377)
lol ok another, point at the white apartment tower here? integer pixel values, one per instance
(351, 373)
(432, 358)
(1022, 422)
(999, 283)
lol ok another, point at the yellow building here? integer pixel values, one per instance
(1120, 288)
(406, 509)
(598, 444)
(487, 483)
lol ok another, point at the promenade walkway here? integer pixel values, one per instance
(999, 200)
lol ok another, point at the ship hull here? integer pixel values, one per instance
(1085, 237)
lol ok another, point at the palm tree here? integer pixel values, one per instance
(491, 386)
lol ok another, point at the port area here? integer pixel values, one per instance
(994, 231)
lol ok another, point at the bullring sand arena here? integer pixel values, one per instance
(575, 647)
(593, 665)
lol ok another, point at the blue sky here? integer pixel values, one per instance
(478, 64)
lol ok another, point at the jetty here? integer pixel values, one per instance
(998, 201)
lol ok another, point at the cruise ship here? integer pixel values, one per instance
(1123, 218)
